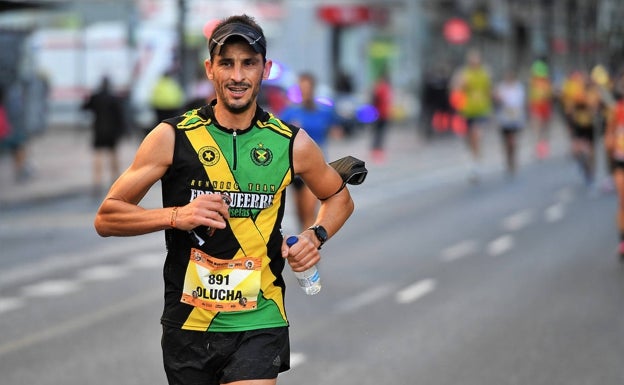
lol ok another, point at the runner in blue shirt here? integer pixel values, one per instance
(320, 122)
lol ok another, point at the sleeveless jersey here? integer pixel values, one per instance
(230, 280)
(477, 88)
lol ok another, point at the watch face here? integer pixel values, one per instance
(321, 233)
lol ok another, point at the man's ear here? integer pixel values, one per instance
(208, 67)
(267, 69)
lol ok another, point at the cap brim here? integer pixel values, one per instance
(255, 40)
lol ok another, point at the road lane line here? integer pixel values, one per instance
(459, 250)
(52, 264)
(518, 220)
(500, 245)
(102, 273)
(80, 322)
(554, 213)
(366, 298)
(50, 288)
(146, 261)
(416, 291)
(8, 304)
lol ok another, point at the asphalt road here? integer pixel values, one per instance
(432, 281)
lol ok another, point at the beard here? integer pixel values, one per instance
(238, 106)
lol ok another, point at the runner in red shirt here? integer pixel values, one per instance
(614, 143)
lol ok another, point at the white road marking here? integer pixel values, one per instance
(8, 304)
(297, 359)
(500, 245)
(554, 213)
(416, 291)
(146, 261)
(50, 288)
(102, 273)
(79, 322)
(518, 220)
(366, 298)
(459, 250)
(49, 265)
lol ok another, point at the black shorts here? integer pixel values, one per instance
(617, 164)
(210, 358)
(584, 133)
(476, 121)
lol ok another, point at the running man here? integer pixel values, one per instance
(224, 169)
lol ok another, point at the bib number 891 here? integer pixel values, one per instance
(218, 279)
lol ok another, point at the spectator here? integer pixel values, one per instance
(108, 126)
(437, 113)
(16, 142)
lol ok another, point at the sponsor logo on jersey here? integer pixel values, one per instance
(261, 155)
(241, 199)
(209, 155)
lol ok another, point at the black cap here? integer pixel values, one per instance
(255, 39)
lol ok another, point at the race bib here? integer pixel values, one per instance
(511, 114)
(222, 285)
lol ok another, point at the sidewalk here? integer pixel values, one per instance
(62, 159)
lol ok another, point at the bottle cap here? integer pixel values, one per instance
(291, 240)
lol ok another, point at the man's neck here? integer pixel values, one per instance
(234, 121)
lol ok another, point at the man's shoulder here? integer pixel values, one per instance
(191, 119)
(268, 120)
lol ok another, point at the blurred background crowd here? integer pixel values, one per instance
(483, 247)
(151, 52)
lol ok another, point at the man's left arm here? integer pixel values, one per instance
(324, 182)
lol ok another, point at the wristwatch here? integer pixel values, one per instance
(321, 234)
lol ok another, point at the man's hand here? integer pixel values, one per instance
(210, 210)
(303, 254)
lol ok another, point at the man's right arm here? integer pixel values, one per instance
(120, 213)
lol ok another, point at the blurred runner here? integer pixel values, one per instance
(167, 98)
(571, 89)
(614, 145)
(510, 98)
(583, 118)
(321, 123)
(540, 106)
(382, 101)
(475, 84)
(602, 79)
(436, 110)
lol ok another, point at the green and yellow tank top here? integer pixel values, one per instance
(230, 279)
(477, 89)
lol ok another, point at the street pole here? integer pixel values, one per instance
(181, 42)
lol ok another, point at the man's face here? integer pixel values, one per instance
(237, 74)
(307, 90)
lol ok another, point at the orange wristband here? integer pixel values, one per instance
(174, 214)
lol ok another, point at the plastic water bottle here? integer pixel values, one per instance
(309, 280)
